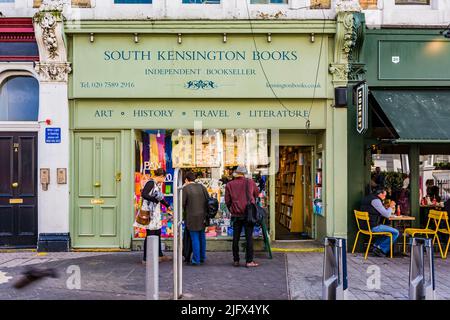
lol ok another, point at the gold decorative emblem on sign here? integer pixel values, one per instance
(97, 201)
(15, 201)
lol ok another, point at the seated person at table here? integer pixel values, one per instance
(432, 190)
(373, 204)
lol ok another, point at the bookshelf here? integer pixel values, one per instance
(288, 190)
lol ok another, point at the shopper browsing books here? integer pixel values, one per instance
(236, 194)
(194, 209)
(153, 198)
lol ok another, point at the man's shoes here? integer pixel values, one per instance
(236, 264)
(378, 252)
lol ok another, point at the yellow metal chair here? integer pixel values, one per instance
(364, 216)
(434, 215)
(446, 231)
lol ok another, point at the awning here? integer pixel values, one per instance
(417, 115)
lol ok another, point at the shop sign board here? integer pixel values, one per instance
(215, 113)
(199, 67)
(360, 96)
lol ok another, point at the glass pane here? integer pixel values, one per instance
(19, 99)
(202, 1)
(133, 1)
(27, 49)
(412, 2)
(268, 1)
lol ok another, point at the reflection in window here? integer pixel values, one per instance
(19, 99)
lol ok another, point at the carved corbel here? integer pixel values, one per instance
(48, 26)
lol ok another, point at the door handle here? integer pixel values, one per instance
(15, 185)
(119, 177)
(97, 185)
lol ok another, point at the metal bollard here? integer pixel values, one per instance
(152, 268)
(334, 282)
(420, 286)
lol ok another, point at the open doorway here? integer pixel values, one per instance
(294, 194)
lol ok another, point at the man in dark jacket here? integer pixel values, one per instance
(236, 194)
(194, 209)
(373, 204)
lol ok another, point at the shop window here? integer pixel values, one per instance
(74, 3)
(391, 172)
(19, 50)
(211, 154)
(133, 1)
(413, 2)
(202, 1)
(368, 4)
(268, 1)
(19, 99)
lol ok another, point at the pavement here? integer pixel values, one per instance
(121, 276)
(372, 279)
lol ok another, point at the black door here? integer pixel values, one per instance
(18, 189)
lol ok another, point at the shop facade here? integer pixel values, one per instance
(163, 94)
(407, 134)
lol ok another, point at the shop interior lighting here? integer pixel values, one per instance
(224, 38)
(158, 134)
(269, 37)
(136, 38)
(313, 37)
(92, 37)
(179, 38)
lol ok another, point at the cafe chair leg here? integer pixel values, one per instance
(439, 245)
(404, 243)
(368, 246)
(446, 248)
(356, 241)
(392, 246)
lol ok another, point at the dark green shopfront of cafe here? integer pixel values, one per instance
(407, 72)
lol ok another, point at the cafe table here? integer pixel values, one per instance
(401, 223)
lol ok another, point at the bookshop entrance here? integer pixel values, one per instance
(294, 194)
